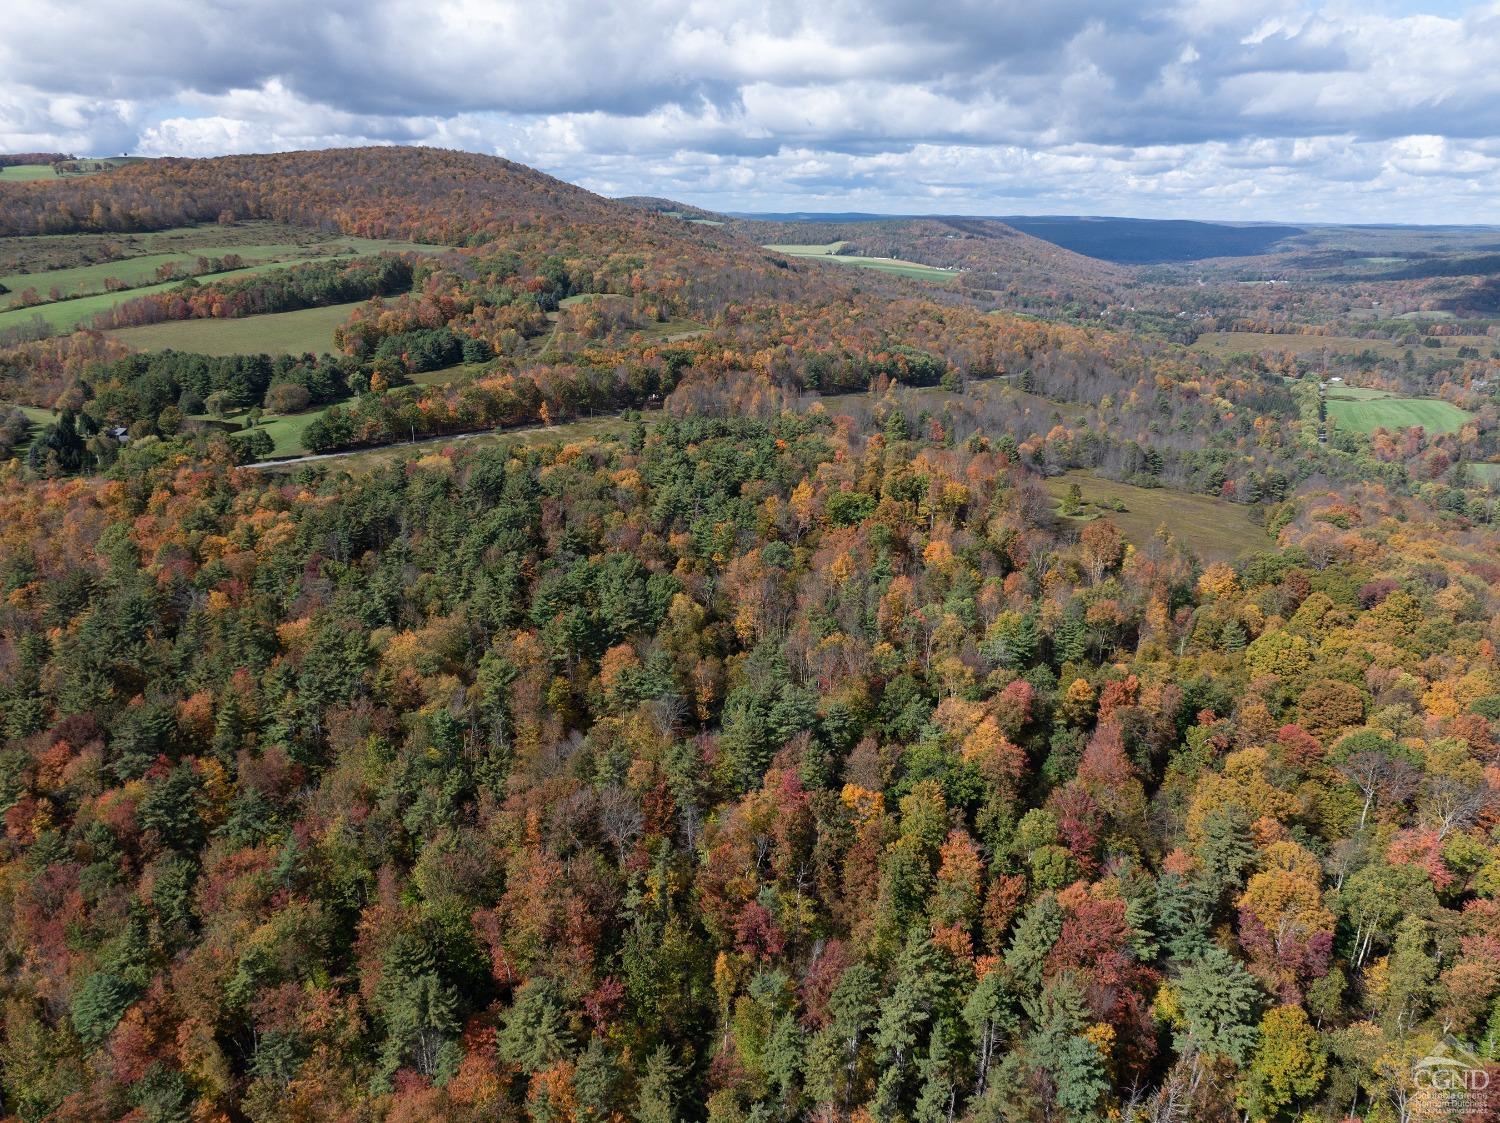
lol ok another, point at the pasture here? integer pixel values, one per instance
(1213, 529)
(80, 279)
(1365, 415)
(67, 315)
(830, 252)
(20, 173)
(309, 331)
(134, 272)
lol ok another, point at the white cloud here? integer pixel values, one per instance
(1234, 108)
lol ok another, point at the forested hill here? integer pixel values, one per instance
(800, 700)
(425, 194)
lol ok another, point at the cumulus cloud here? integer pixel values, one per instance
(1212, 108)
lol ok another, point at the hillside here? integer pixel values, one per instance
(474, 650)
(422, 194)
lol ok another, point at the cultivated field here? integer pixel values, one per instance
(1368, 414)
(830, 252)
(1214, 529)
(277, 333)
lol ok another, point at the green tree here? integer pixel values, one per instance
(1220, 1003)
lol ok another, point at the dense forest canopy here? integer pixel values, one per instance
(781, 752)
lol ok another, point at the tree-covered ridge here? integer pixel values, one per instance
(734, 768)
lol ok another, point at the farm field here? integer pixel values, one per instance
(1488, 473)
(291, 333)
(1368, 414)
(1214, 529)
(829, 252)
(1239, 342)
(39, 253)
(23, 172)
(66, 315)
(141, 271)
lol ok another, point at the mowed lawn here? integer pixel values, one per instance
(286, 430)
(277, 333)
(1368, 414)
(829, 252)
(1214, 529)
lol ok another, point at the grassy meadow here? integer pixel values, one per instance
(1252, 342)
(309, 331)
(80, 268)
(19, 173)
(1366, 414)
(830, 252)
(68, 315)
(1214, 529)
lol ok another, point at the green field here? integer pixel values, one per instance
(1214, 529)
(1356, 393)
(22, 172)
(830, 252)
(286, 430)
(141, 271)
(290, 333)
(1368, 414)
(66, 315)
(1488, 474)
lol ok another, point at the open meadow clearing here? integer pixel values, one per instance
(1214, 529)
(68, 315)
(276, 333)
(20, 173)
(137, 272)
(134, 262)
(1368, 414)
(830, 252)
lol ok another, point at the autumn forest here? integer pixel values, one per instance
(613, 667)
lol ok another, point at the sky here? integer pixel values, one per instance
(1373, 111)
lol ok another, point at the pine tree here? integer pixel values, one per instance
(656, 1099)
(535, 1032)
(1221, 1005)
(595, 1082)
(1036, 932)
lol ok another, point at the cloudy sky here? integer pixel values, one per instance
(1376, 110)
